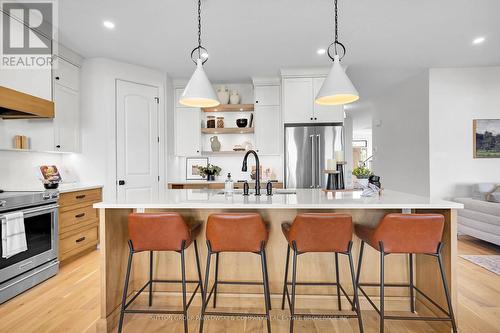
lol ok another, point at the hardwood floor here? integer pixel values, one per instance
(69, 302)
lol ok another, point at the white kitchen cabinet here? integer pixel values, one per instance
(67, 74)
(267, 95)
(325, 113)
(267, 127)
(297, 97)
(187, 131)
(299, 105)
(67, 119)
(178, 94)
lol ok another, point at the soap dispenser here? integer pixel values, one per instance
(229, 184)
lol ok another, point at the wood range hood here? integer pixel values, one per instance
(17, 105)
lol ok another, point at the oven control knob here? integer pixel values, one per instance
(46, 196)
(54, 195)
(3, 203)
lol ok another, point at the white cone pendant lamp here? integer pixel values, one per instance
(337, 88)
(199, 92)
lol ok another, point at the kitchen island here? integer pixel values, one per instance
(283, 206)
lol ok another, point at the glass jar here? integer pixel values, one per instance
(220, 122)
(210, 121)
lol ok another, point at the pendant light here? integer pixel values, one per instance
(337, 88)
(199, 92)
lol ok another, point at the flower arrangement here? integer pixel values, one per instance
(210, 171)
(362, 172)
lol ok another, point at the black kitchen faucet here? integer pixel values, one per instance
(257, 171)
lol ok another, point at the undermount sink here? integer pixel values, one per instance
(263, 191)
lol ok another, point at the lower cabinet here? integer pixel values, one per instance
(78, 223)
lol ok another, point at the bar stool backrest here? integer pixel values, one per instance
(321, 232)
(236, 232)
(158, 231)
(410, 233)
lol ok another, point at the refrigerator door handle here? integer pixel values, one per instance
(313, 172)
(318, 156)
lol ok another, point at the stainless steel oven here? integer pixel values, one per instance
(40, 261)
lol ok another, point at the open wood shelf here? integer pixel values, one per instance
(230, 108)
(227, 130)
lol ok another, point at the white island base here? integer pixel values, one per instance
(199, 204)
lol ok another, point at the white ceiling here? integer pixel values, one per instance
(258, 37)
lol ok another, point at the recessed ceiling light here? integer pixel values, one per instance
(478, 40)
(321, 51)
(108, 24)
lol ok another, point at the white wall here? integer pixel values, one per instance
(97, 162)
(457, 96)
(19, 170)
(401, 135)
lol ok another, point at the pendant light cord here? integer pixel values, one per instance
(336, 44)
(199, 48)
(199, 29)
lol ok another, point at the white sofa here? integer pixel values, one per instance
(480, 218)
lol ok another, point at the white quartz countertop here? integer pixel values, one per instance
(73, 187)
(282, 199)
(220, 181)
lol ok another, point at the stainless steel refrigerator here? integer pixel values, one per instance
(307, 148)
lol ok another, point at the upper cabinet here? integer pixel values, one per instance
(299, 105)
(187, 135)
(67, 107)
(36, 82)
(267, 118)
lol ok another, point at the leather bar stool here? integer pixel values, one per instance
(320, 232)
(245, 232)
(160, 232)
(406, 234)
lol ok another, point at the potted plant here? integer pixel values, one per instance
(210, 171)
(362, 174)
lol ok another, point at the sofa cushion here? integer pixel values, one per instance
(482, 190)
(494, 196)
(485, 207)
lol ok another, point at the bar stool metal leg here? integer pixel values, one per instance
(266, 287)
(150, 278)
(205, 288)
(356, 306)
(267, 280)
(337, 277)
(446, 289)
(125, 287)
(285, 289)
(294, 281)
(216, 278)
(184, 300)
(412, 291)
(382, 314)
(198, 267)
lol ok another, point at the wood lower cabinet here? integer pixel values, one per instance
(78, 223)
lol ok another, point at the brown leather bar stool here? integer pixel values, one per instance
(245, 232)
(406, 234)
(160, 232)
(320, 232)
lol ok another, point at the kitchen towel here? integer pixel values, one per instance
(13, 234)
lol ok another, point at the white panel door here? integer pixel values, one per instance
(66, 120)
(267, 129)
(326, 113)
(137, 140)
(297, 100)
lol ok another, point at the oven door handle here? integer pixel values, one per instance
(30, 211)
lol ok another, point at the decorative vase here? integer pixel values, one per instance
(210, 178)
(223, 94)
(215, 143)
(234, 98)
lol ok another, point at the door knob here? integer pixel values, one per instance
(121, 182)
